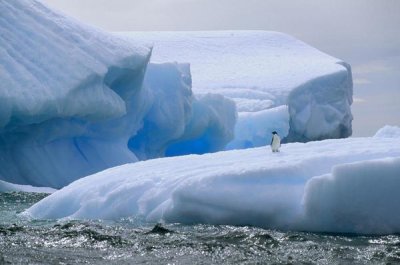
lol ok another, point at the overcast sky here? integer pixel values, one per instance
(365, 33)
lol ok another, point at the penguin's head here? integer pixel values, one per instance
(274, 132)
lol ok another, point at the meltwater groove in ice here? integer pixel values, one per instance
(345, 185)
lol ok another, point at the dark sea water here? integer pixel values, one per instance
(133, 241)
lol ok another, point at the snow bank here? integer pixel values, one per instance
(260, 70)
(249, 187)
(75, 100)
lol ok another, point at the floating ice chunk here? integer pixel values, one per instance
(388, 132)
(72, 94)
(299, 188)
(260, 70)
(72, 100)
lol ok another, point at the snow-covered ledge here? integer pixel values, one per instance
(320, 108)
(261, 71)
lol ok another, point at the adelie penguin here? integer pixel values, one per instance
(275, 142)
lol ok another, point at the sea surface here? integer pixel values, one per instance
(133, 241)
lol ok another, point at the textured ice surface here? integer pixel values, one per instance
(54, 67)
(261, 70)
(346, 185)
(75, 100)
(178, 123)
(69, 95)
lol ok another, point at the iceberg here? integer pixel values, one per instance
(341, 185)
(75, 100)
(388, 132)
(262, 70)
(65, 95)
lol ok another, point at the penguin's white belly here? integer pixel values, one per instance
(276, 143)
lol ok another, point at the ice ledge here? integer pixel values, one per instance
(262, 70)
(320, 108)
(341, 185)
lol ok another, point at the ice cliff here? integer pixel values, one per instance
(75, 100)
(176, 122)
(61, 84)
(260, 71)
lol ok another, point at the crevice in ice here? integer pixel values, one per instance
(75, 141)
(123, 81)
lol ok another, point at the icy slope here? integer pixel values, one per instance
(261, 70)
(347, 185)
(64, 87)
(75, 100)
(54, 67)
